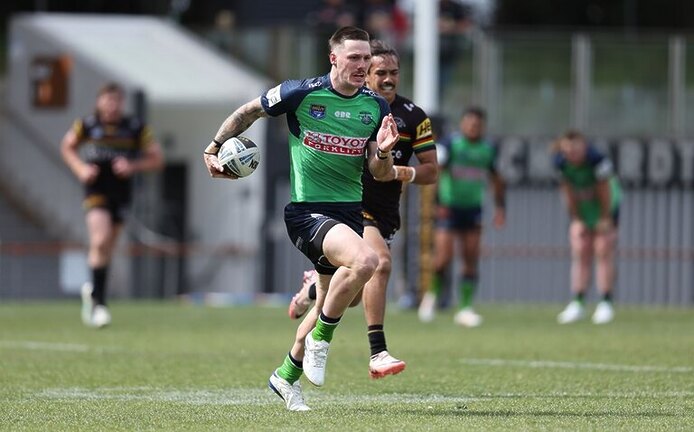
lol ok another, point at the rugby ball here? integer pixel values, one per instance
(239, 156)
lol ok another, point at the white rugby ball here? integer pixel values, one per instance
(239, 156)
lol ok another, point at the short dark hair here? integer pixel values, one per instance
(476, 111)
(348, 33)
(569, 134)
(380, 48)
(572, 134)
(111, 87)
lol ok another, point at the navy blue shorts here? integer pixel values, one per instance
(459, 219)
(308, 223)
(387, 226)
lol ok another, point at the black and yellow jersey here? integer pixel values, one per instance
(382, 199)
(101, 142)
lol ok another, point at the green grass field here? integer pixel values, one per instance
(169, 366)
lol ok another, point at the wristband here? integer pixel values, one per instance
(212, 148)
(397, 169)
(380, 152)
(217, 143)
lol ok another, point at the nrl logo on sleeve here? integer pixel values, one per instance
(317, 111)
(273, 96)
(366, 117)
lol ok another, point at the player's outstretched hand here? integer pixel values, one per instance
(215, 168)
(388, 134)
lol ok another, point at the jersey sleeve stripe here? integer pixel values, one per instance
(423, 142)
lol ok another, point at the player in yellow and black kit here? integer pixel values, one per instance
(381, 203)
(114, 147)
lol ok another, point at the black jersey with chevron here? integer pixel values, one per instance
(414, 127)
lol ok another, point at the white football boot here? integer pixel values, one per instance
(315, 357)
(383, 364)
(427, 307)
(467, 317)
(573, 312)
(101, 317)
(604, 313)
(291, 394)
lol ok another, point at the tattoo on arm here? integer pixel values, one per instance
(240, 120)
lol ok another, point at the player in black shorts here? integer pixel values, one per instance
(381, 202)
(104, 150)
(334, 124)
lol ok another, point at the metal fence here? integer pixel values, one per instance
(620, 89)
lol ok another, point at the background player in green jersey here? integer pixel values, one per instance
(467, 163)
(116, 146)
(381, 205)
(334, 123)
(592, 195)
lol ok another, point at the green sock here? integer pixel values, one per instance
(580, 297)
(325, 326)
(290, 370)
(467, 289)
(436, 283)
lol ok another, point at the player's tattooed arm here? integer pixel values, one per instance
(234, 125)
(240, 120)
(237, 123)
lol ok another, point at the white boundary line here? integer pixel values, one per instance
(258, 396)
(575, 365)
(536, 364)
(52, 346)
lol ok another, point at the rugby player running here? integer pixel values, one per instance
(381, 202)
(334, 123)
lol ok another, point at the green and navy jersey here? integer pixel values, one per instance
(416, 137)
(583, 178)
(328, 136)
(463, 177)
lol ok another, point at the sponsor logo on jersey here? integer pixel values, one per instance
(584, 194)
(409, 106)
(343, 114)
(468, 173)
(424, 129)
(400, 122)
(317, 111)
(273, 96)
(327, 143)
(366, 117)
